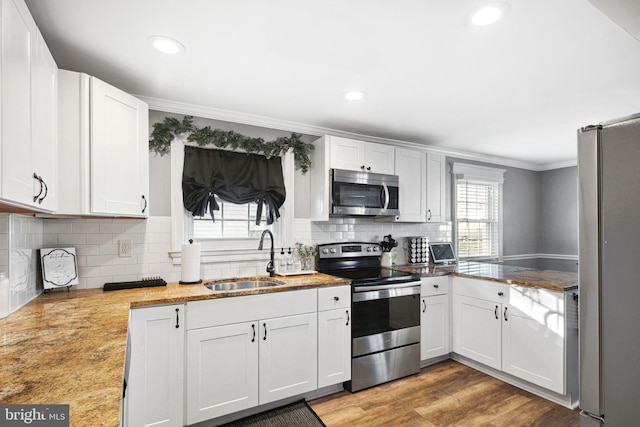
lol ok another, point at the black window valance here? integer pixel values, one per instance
(234, 177)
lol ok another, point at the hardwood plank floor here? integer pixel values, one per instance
(445, 394)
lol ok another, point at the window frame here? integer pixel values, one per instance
(486, 176)
(245, 248)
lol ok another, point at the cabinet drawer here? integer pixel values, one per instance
(224, 311)
(483, 289)
(334, 297)
(434, 286)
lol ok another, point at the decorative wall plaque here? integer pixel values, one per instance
(59, 267)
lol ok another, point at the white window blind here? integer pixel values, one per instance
(232, 222)
(478, 211)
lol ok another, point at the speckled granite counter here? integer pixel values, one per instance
(69, 347)
(547, 279)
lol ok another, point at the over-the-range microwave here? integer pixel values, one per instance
(363, 193)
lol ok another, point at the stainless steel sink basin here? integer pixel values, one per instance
(244, 284)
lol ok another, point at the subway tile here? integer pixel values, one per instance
(111, 228)
(57, 227)
(99, 239)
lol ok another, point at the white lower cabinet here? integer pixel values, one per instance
(334, 335)
(518, 330)
(434, 318)
(248, 351)
(288, 356)
(154, 392)
(477, 330)
(222, 370)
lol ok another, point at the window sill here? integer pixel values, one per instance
(209, 256)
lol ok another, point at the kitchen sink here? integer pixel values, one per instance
(242, 284)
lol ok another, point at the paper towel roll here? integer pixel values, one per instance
(190, 263)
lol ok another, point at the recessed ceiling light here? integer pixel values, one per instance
(488, 14)
(167, 45)
(354, 95)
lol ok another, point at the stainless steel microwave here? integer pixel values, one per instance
(363, 193)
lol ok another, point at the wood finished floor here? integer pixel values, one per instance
(445, 394)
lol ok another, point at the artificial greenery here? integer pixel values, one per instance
(163, 133)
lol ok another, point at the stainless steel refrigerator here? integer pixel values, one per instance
(609, 273)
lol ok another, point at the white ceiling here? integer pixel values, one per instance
(518, 89)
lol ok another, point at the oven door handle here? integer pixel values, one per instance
(369, 293)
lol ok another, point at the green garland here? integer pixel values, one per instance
(163, 133)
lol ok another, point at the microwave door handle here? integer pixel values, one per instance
(385, 190)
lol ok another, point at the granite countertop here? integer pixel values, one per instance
(69, 347)
(523, 276)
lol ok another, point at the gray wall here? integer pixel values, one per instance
(521, 201)
(559, 211)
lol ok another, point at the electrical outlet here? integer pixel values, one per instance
(125, 248)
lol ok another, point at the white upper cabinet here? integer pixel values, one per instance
(104, 137)
(436, 172)
(28, 94)
(411, 168)
(362, 156)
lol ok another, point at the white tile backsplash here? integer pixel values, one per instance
(96, 243)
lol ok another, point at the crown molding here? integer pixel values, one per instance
(177, 107)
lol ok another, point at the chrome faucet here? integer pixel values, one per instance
(270, 267)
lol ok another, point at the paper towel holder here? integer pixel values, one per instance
(195, 282)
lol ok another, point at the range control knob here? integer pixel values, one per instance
(375, 249)
(369, 249)
(325, 251)
(332, 250)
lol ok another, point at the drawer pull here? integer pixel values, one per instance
(436, 286)
(336, 298)
(500, 294)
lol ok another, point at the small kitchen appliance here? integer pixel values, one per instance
(385, 305)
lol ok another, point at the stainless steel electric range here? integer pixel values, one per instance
(385, 305)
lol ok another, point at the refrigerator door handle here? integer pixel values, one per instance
(589, 271)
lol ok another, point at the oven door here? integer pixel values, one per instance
(360, 193)
(385, 317)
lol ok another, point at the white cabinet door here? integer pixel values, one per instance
(334, 346)
(155, 384)
(436, 172)
(411, 168)
(477, 330)
(288, 356)
(18, 32)
(533, 337)
(351, 154)
(434, 323)
(346, 154)
(379, 158)
(44, 123)
(222, 370)
(119, 152)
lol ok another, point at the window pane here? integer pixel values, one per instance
(232, 221)
(477, 213)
